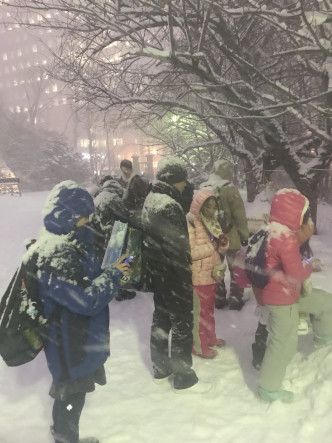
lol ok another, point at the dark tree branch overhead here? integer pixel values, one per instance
(257, 75)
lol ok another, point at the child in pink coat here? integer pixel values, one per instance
(207, 242)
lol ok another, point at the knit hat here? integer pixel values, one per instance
(171, 170)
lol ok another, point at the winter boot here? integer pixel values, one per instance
(221, 301)
(218, 343)
(209, 354)
(236, 304)
(270, 396)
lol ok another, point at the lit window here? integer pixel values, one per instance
(54, 88)
(25, 109)
(15, 83)
(5, 56)
(64, 100)
(18, 109)
(117, 141)
(34, 48)
(13, 68)
(84, 142)
(47, 91)
(44, 62)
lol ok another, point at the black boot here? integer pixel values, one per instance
(236, 304)
(221, 300)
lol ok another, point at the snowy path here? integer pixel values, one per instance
(132, 409)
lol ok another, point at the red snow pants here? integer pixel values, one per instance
(204, 334)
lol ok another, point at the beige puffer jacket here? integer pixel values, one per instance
(204, 255)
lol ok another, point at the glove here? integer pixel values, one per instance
(316, 265)
(244, 243)
(223, 244)
(218, 272)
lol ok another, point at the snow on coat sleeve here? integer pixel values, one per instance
(69, 287)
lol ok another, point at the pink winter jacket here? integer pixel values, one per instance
(284, 286)
(203, 254)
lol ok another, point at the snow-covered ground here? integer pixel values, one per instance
(131, 408)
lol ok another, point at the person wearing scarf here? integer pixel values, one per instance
(207, 242)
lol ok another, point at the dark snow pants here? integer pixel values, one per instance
(173, 301)
(66, 417)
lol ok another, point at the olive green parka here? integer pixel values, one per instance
(229, 201)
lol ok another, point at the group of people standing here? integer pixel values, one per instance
(187, 237)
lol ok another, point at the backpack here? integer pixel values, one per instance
(22, 325)
(255, 260)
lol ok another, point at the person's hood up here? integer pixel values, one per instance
(200, 197)
(288, 207)
(224, 169)
(66, 203)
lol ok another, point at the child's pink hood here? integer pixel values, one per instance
(199, 198)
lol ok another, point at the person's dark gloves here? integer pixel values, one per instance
(244, 243)
(225, 224)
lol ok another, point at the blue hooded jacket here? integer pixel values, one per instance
(73, 286)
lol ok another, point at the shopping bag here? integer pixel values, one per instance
(125, 240)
